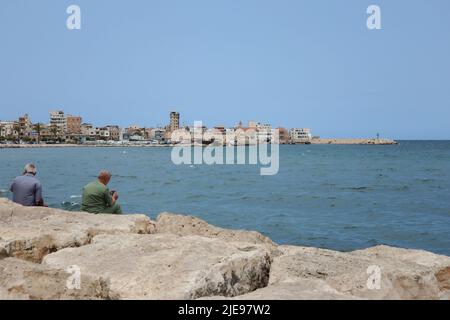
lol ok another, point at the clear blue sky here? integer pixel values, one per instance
(293, 63)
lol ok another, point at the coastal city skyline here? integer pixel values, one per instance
(62, 127)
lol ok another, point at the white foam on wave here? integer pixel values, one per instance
(75, 196)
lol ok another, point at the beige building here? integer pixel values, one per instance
(87, 130)
(174, 121)
(102, 133)
(300, 135)
(73, 124)
(253, 124)
(25, 126)
(114, 132)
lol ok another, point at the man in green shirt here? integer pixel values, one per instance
(98, 199)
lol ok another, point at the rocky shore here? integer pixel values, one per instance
(182, 257)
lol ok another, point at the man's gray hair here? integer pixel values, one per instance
(30, 168)
(104, 174)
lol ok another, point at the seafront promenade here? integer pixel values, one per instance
(183, 257)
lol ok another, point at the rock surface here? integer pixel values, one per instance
(188, 225)
(23, 280)
(403, 274)
(168, 266)
(182, 257)
(31, 233)
(307, 289)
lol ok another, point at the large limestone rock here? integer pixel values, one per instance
(405, 274)
(3, 249)
(31, 233)
(166, 266)
(188, 225)
(182, 257)
(23, 280)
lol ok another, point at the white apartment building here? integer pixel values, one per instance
(8, 128)
(58, 119)
(264, 133)
(300, 135)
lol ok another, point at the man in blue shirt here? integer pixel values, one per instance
(27, 189)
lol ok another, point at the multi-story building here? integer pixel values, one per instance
(114, 132)
(264, 133)
(135, 130)
(148, 133)
(43, 132)
(157, 134)
(220, 129)
(174, 121)
(9, 130)
(102, 133)
(38, 132)
(88, 131)
(25, 126)
(73, 125)
(58, 124)
(300, 135)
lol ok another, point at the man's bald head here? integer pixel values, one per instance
(104, 176)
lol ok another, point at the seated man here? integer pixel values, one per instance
(27, 189)
(98, 199)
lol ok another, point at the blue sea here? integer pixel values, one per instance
(341, 197)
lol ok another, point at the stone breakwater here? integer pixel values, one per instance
(354, 141)
(182, 257)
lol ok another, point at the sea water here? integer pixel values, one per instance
(341, 197)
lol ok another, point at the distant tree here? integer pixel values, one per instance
(38, 128)
(54, 131)
(11, 138)
(17, 132)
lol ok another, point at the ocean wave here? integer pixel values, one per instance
(425, 180)
(196, 196)
(126, 177)
(328, 184)
(75, 196)
(70, 205)
(358, 189)
(402, 188)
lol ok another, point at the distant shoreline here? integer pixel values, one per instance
(67, 145)
(63, 145)
(131, 145)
